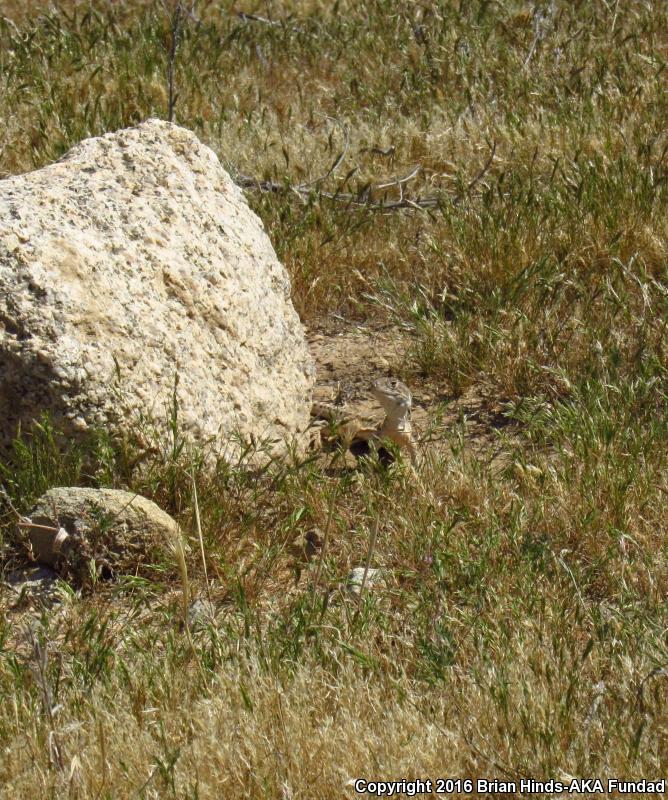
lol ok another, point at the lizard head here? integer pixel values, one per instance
(393, 395)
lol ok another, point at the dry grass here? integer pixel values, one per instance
(254, 735)
(522, 632)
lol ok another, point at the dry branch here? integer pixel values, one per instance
(285, 22)
(176, 14)
(361, 199)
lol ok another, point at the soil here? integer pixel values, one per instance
(349, 358)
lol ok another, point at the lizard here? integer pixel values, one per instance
(359, 437)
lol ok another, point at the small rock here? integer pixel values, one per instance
(35, 582)
(200, 613)
(118, 531)
(374, 580)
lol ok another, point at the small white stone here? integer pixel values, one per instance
(374, 579)
(200, 612)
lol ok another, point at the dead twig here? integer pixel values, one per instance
(400, 181)
(357, 200)
(176, 15)
(484, 170)
(286, 22)
(337, 163)
(255, 18)
(361, 199)
(541, 25)
(25, 523)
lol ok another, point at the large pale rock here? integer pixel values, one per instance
(132, 259)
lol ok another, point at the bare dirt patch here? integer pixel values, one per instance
(350, 357)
